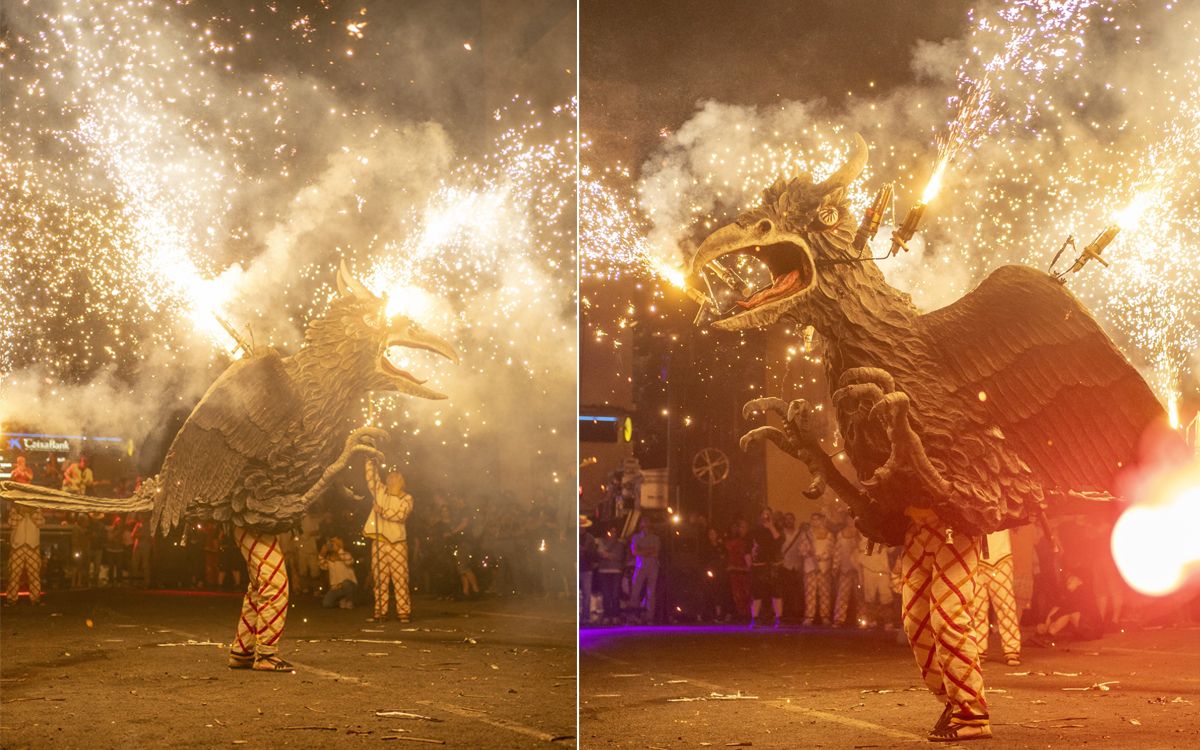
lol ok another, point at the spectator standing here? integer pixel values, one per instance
(845, 573)
(232, 563)
(766, 557)
(589, 561)
(792, 569)
(876, 579)
(737, 568)
(21, 472)
(609, 569)
(646, 548)
(818, 571)
(114, 550)
(342, 581)
(78, 477)
(715, 579)
(308, 552)
(81, 546)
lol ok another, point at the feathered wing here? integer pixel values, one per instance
(234, 429)
(1067, 401)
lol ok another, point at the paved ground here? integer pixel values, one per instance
(654, 688)
(495, 673)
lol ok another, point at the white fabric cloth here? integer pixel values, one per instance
(793, 550)
(26, 526)
(389, 514)
(340, 569)
(999, 546)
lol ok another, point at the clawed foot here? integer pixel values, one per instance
(877, 423)
(797, 438)
(364, 440)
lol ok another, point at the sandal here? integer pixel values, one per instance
(943, 720)
(240, 660)
(272, 663)
(954, 732)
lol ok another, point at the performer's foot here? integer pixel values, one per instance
(776, 625)
(961, 732)
(402, 618)
(272, 663)
(1012, 660)
(753, 624)
(239, 660)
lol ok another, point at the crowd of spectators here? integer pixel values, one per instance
(778, 569)
(498, 546)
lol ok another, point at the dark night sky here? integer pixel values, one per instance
(645, 65)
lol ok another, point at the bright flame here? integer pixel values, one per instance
(1127, 218)
(1155, 544)
(673, 276)
(1173, 410)
(935, 181)
(412, 302)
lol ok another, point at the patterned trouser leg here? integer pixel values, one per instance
(994, 590)
(390, 566)
(264, 609)
(817, 599)
(845, 592)
(938, 601)
(810, 595)
(24, 561)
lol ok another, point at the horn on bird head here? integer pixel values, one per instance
(348, 285)
(848, 172)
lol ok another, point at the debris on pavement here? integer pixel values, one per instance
(1099, 686)
(397, 714)
(716, 697)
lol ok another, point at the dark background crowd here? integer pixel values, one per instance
(492, 545)
(706, 574)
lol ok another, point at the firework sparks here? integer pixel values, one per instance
(1041, 113)
(159, 177)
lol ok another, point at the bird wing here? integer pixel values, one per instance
(1066, 399)
(235, 427)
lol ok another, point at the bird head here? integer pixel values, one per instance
(367, 323)
(801, 227)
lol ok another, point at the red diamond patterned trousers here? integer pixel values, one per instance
(264, 609)
(938, 594)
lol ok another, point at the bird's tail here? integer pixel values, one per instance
(50, 499)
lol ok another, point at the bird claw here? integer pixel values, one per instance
(367, 436)
(763, 405)
(774, 434)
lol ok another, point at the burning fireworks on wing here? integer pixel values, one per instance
(1049, 136)
(167, 181)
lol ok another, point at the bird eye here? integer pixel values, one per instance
(827, 216)
(763, 226)
(372, 321)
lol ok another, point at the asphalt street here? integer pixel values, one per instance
(820, 688)
(150, 669)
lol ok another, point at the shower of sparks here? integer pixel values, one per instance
(1054, 152)
(151, 186)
